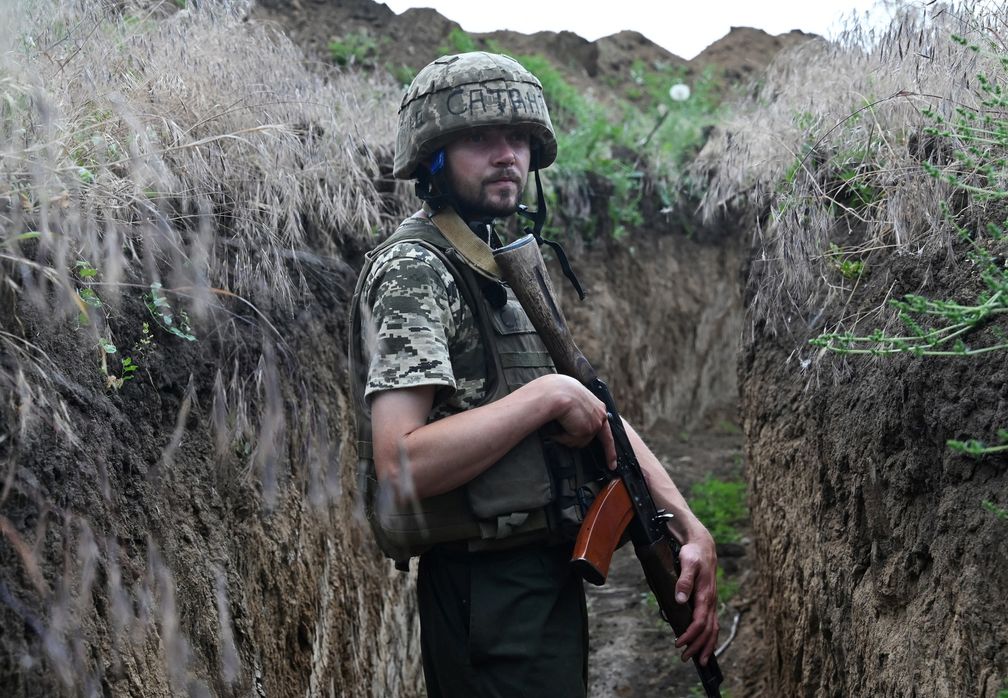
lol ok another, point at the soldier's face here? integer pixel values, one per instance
(487, 168)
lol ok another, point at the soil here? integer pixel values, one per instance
(632, 652)
(419, 35)
(881, 573)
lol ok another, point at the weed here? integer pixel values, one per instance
(727, 426)
(726, 588)
(698, 691)
(86, 273)
(937, 327)
(996, 510)
(358, 48)
(458, 42)
(161, 310)
(720, 505)
(850, 269)
(127, 367)
(85, 270)
(612, 143)
(977, 170)
(403, 74)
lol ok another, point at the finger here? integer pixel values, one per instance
(694, 631)
(690, 566)
(707, 650)
(705, 644)
(701, 634)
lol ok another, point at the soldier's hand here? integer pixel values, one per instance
(581, 416)
(698, 582)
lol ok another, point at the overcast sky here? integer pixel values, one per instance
(683, 28)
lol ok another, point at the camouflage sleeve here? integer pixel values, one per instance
(412, 303)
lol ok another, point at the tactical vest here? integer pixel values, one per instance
(539, 490)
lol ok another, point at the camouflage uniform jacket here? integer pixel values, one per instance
(420, 330)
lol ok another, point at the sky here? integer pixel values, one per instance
(682, 28)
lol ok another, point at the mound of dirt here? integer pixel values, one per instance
(419, 35)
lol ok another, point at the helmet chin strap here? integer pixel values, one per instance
(538, 219)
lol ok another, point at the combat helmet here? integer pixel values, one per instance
(466, 90)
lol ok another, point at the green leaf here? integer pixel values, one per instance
(85, 270)
(160, 309)
(90, 297)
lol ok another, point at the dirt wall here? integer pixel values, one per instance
(142, 559)
(880, 572)
(662, 319)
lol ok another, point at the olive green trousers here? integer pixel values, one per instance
(506, 623)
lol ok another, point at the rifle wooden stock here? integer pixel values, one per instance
(522, 266)
(602, 531)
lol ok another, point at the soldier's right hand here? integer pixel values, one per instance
(581, 416)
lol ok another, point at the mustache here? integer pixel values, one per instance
(508, 174)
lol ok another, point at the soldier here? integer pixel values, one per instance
(474, 453)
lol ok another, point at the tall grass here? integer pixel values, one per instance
(186, 148)
(831, 150)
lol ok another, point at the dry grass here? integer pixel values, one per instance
(194, 150)
(830, 150)
(187, 148)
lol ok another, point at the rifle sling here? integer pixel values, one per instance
(473, 250)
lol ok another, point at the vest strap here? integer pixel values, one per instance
(474, 251)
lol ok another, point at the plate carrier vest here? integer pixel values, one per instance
(539, 491)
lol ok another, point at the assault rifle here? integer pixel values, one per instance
(626, 500)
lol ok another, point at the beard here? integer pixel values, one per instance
(487, 198)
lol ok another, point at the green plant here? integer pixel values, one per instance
(937, 327)
(850, 269)
(727, 426)
(698, 691)
(458, 42)
(358, 48)
(726, 588)
(127, 367)
(161, 310)
(978, 171)
(403, 74)
(995, 509)
(974, 447)
(720, 505)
